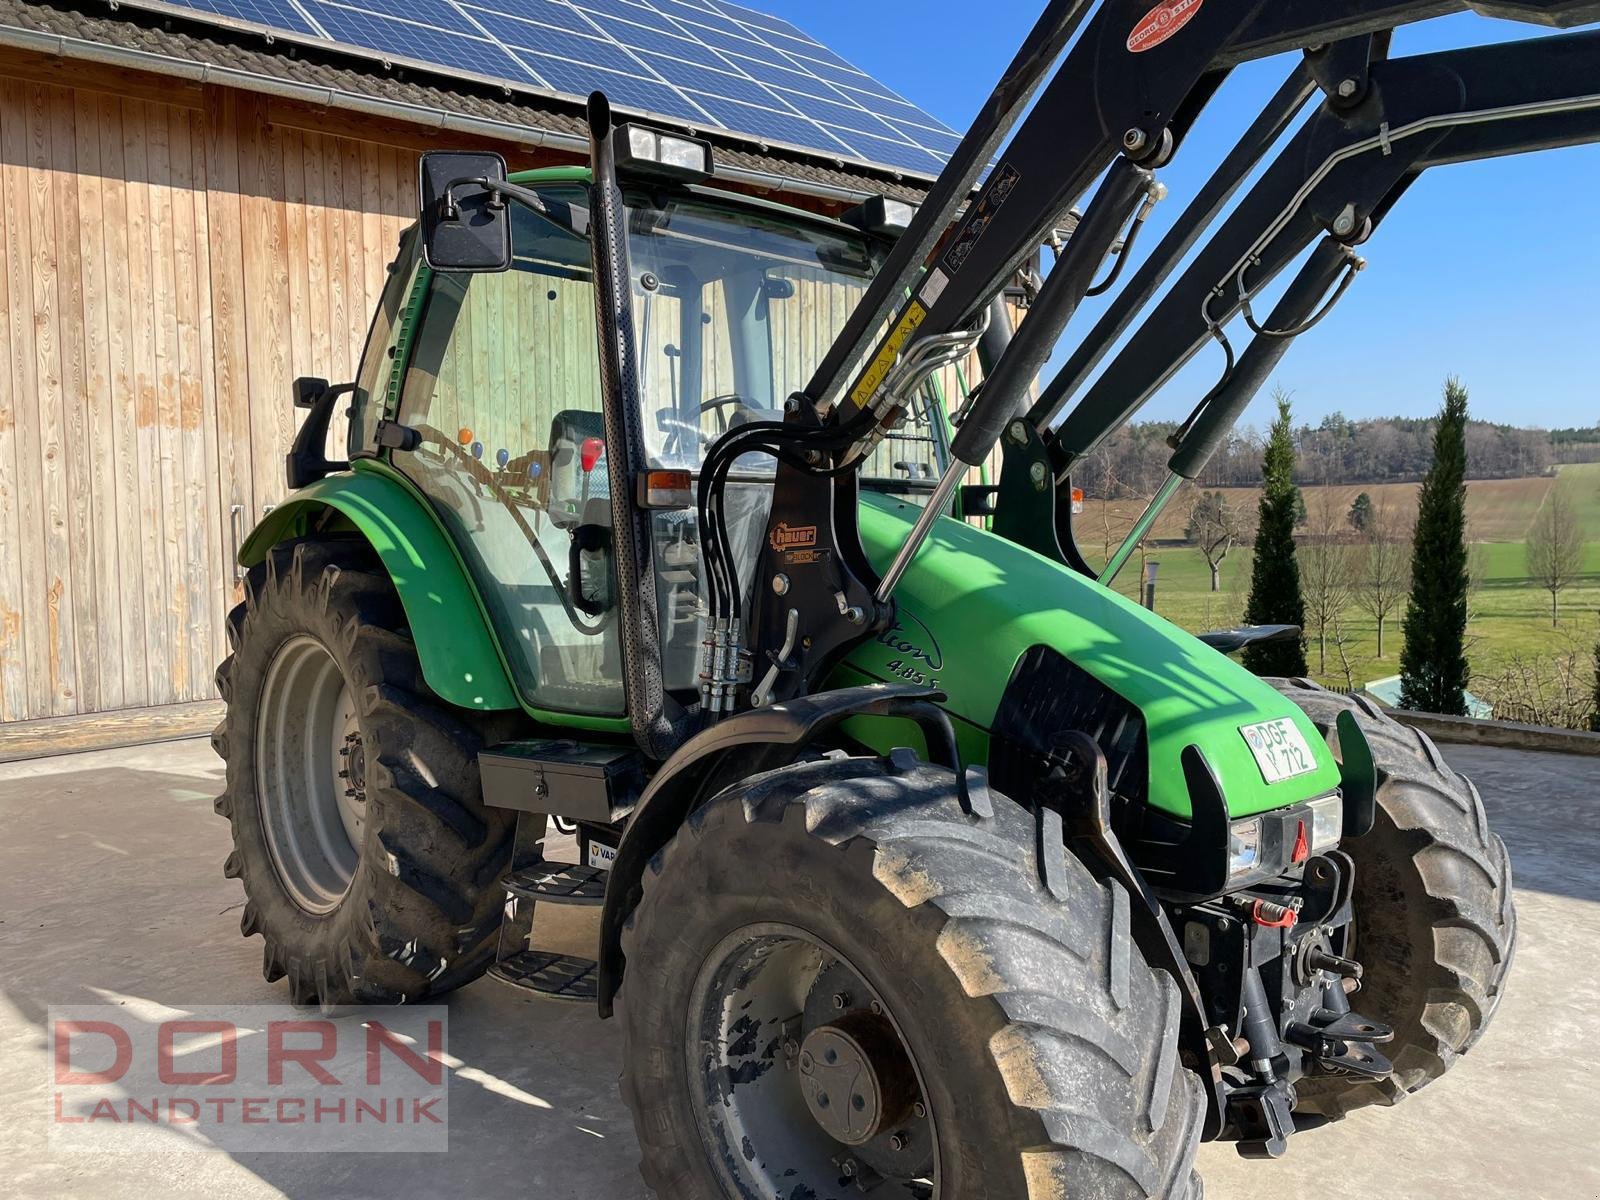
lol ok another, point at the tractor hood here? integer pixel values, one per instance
(972, 604)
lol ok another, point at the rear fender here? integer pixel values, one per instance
(759, 739)
(461, 660)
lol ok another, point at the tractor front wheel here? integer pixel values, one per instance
(837, 981)
(370, 865)
(1435, 926)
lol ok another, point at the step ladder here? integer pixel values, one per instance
(517, 960)
(540, 779)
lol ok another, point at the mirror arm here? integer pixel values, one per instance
(500, 190)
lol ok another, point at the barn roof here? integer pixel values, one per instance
(337, 76)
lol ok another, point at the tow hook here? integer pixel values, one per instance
(1343, 1043)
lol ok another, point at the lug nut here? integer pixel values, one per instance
(841, 1000)
(899, 1141)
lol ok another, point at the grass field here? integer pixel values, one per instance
(1510, 612)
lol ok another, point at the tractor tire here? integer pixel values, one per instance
(392, 894)
(1045, 1050)
(1435, 922)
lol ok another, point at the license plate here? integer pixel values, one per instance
(1280, 749)
(602, 856)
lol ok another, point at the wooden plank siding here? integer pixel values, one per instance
(166, 269)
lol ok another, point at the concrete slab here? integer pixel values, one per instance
(111, 891)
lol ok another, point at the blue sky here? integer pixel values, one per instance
(1489, 270)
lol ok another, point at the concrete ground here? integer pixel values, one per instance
(111, 891)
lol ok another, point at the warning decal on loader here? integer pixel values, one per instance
(910, 322)
(995, 193)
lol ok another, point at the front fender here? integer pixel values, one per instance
(460, 658)
(759, 739)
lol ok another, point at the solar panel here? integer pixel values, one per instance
(712, 64)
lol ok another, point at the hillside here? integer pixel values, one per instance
(1498, 510)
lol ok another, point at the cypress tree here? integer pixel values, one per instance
(1433, 662)
(1275, 597)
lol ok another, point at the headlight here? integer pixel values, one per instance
(1244, 847)
(644, 151)
(1327, 820)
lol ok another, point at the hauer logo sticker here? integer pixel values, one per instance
(792, 537)
(1160, 23)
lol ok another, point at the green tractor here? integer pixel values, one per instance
(926, 863)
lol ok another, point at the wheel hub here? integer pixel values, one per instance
(354, 772)
(856, 1077)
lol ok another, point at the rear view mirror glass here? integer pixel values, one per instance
(465, 223)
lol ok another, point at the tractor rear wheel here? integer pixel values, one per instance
(370, 865)
(836, 979)
(1435, 925)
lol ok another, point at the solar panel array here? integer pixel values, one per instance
(709, 63)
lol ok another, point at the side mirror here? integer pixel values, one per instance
(308, 390)
(466, 225)
(307, 460)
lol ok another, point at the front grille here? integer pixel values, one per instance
(1048, 697)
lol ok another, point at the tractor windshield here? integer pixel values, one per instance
(733, 309)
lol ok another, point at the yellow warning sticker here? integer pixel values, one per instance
(873, 379)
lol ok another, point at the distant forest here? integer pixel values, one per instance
(1133, 461)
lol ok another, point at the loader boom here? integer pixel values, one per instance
(1117, 106)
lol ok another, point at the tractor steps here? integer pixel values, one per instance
(540, 961)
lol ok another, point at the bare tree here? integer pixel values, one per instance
(1327, 577)
(1555, 548)
(1214, 529)
(1341, 638)
(1383, 565)
(1543, 689)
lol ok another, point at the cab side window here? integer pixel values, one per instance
(503, 386)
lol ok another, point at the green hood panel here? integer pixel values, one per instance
(972, 604)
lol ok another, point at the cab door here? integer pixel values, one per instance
(502, 385)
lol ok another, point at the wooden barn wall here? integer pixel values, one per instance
(172, 256)
(169, 266)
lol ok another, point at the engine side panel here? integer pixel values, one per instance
(972, 605)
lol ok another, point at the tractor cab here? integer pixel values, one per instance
(498, 416)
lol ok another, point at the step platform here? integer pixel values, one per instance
(558, 883)
(558, 976)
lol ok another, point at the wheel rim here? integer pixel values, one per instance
(310, 774)
(806, 1077)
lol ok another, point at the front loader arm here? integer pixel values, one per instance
(1118, 105)
(1338, 178)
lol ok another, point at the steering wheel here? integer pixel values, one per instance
(719, 404)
